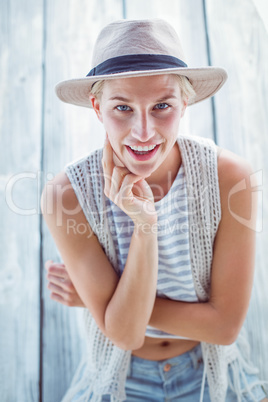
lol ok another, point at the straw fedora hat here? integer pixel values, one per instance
(134, 48)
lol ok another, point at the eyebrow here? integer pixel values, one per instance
(166, 98)
(121, 98)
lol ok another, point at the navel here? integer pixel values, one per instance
(165, 343)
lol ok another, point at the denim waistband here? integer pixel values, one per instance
(193, 356)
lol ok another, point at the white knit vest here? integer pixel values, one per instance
(103, 369)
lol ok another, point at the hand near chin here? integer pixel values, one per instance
(131, 193)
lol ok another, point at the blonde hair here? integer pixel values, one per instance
(187, 90)
(97, 88)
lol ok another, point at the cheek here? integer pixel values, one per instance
(115, 126)
(170, 121)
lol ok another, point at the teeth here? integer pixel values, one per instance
(151, 147)
(143, 149)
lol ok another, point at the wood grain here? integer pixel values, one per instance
(20, 142)
(69, 133)
(46, 41)
(238, 40)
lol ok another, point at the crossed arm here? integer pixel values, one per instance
(123, 307)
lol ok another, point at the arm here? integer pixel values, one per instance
(121, 308)
(220, 319)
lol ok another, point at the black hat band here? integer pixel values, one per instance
(136, 62)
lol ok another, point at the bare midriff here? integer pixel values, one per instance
(163, 348)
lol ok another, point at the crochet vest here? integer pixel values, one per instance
(103, 368)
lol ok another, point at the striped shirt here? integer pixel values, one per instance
(175, 280)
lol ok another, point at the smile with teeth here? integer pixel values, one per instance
(142, 150)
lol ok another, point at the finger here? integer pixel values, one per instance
(56, 270)
(125, 196)
(118, 176)
(57, 297)
(143, 189)
(59, 294)
(61, 300)
(127, 185)
(59, 289)
(48, 263)
(108, 165)
(62, 283)
(56, 289)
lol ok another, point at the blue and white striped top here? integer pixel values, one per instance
(175, 280)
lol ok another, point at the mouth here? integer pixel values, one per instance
(142, 153)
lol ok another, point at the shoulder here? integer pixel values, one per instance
(236, 180)
(74, 181)
(200, 151)
(88, 162)
(59, 203)
(63, 213)
(195, 142)
(232, 168)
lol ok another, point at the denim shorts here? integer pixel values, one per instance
(176, 379)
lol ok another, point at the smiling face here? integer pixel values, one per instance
(141, 116)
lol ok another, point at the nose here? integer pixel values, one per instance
(143, 128)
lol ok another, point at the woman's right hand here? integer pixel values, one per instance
(131, 193)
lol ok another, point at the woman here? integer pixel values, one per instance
(162, 267)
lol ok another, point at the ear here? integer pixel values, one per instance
(184, 106)
(96, 106)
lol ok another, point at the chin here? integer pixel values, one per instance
(144, 175)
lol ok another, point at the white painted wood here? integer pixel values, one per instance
(20, 125)
(191, 30)
(70, 132)
(238, 41)
(71, 27)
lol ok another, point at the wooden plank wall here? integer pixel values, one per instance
(21, 49)
(45, 41)
(238, 41)
(69, 42)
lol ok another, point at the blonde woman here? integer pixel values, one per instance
(163, 269)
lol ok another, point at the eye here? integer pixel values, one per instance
(161, 106)
(123, 108)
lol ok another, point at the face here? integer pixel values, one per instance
(141, 116)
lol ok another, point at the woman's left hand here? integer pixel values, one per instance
(61, 286)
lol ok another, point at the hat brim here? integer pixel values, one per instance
(206, 81)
